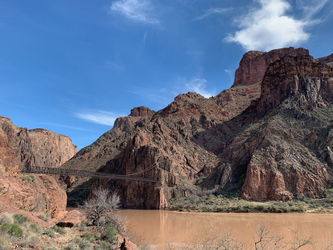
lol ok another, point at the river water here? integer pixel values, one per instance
(160, 228)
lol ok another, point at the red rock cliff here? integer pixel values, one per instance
(253, 65)
(38, 147)
(35, 193)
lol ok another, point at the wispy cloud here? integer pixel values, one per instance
(197, 85)
(98, 116)
(213, 11)
(269, 27)
(65, 126)
(136, 10)
(311, 7)
(144, 37)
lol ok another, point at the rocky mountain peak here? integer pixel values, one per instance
(253, 65)
(141, 111)
(326, 59)
(2, 118)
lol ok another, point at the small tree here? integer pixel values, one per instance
(100, 209)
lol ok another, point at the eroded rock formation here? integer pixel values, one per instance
(253, 65)
(19, 146)
(266, 141)
(37, 147)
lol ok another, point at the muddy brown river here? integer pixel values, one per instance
(180, 229)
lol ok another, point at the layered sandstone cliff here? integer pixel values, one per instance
(253, 65)
(37, 147)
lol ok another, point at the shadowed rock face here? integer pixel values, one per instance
(296, 76)
(37, 193)
(253, 65)
(268, 141)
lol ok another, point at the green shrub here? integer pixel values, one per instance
(34, 228)
(87, 236)
(106, 245)
(2, 243)
(301, 208)
(20, 218)
(76, 240)
(71, 247)
(12, 229)
(84, 245)
(110, 234)
(98, 237)
(49, 232)
(59, 230)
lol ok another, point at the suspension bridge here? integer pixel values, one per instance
(83, 173)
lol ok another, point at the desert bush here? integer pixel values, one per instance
(87, 236)
(34, 228)
(83, 226)
(20, 219)
(59, 230)
(110, 234)
(76, 240)
(107, 245)
(6, 218)
(98, 237)
(49, 232)
(11, 229)
(71, 247)
(84, 245)
(2, 243)
(100, 208)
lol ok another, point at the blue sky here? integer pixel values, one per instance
(74, 66)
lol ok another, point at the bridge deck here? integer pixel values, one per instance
(83, 173)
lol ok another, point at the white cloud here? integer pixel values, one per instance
(98, 116)
(269, 27)
(136, 10)
(197, 85)
(212, 11)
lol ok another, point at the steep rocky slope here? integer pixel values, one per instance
(262, 141)
(19, 146)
